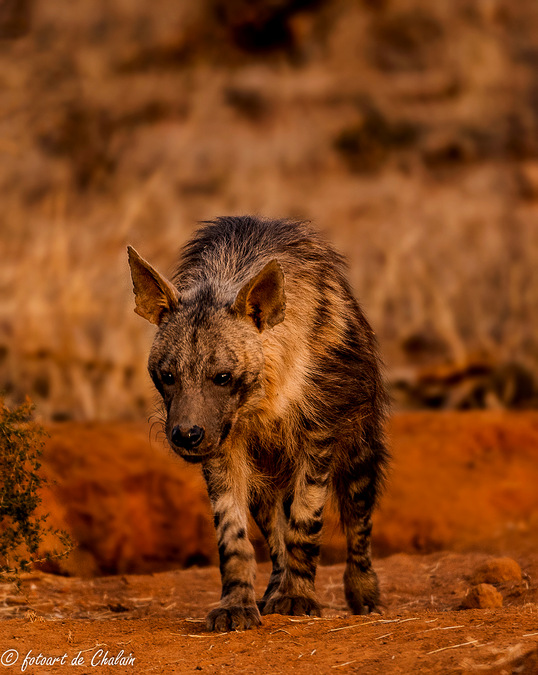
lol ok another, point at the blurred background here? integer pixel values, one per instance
(406, 130)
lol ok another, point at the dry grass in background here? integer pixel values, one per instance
(407, 131)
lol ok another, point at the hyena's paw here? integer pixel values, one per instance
(364, 608)
(291, 605)
(362, 591)
(223, 619)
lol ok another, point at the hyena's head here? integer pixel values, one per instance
(207, 358)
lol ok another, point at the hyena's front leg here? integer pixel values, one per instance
(303, 511)
(238, 609)
(267, 510)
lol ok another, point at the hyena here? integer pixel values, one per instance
(270, 378)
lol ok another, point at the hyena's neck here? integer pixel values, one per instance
(285, 373)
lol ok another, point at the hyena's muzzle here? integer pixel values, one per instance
(188, 442)
(192, 430)
(187, 439)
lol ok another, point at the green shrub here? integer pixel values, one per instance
(21, 529)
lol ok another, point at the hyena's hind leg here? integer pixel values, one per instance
(356, 487)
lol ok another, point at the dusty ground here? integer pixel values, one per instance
(462, 486)
(158, 620)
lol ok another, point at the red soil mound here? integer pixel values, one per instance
(458, 480)
(126, 501)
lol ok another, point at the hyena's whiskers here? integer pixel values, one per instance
(157, 420)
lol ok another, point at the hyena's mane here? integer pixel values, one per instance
(229, 250)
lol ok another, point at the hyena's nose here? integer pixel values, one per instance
(187, 439)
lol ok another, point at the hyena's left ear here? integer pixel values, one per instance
(262, 299)
(155, 296)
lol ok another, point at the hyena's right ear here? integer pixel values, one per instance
(262, 299)
(155, 296)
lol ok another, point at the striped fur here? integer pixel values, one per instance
(269, 375)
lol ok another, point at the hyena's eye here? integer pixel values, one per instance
(168, 378)
(222, 379)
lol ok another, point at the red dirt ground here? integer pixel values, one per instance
(462, 492)
(159, 620)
